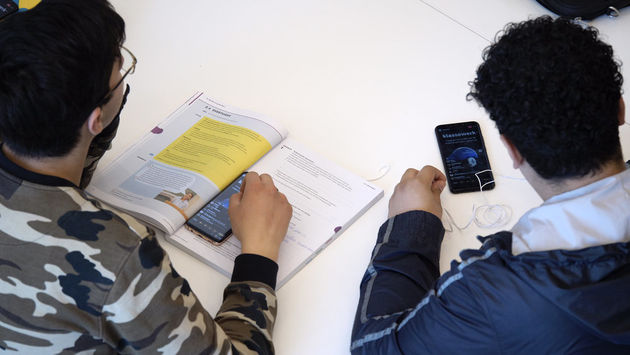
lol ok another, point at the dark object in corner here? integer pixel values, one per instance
(7, 7)
(585, 9)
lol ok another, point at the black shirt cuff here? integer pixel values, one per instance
(253, 267)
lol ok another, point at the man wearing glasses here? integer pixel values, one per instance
(102, 142)
(75, 276)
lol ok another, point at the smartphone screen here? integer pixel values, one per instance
(212, 221)
(7, 7)
(464, 154)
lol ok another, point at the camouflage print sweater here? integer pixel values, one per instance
(76, 277)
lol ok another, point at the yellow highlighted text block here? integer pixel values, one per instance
(28, 4)
(217, 150)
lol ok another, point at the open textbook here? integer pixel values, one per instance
(174, 170)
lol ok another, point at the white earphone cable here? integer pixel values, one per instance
(486, 215)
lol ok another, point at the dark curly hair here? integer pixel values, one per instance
(55, 65)
(553, 89)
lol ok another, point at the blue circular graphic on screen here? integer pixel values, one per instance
(463, 153)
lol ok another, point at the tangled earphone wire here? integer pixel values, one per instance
(486, 215)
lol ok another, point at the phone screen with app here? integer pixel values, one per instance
(464, 155)
(212, 222)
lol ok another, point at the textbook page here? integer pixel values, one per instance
(183, 162)
(326, 200)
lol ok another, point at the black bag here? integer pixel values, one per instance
(586, 9)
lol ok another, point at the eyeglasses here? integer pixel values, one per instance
(129, 67)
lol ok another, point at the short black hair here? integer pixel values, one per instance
(553, 89)
(55, 65)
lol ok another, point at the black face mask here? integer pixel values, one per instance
(100, 144)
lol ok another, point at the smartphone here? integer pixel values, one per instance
(212, 222)
(464, 155)
(7, 7)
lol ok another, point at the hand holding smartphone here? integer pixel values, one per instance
(260, 215)
(212, 222)
(464, 156)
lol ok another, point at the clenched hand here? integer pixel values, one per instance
(418, 190)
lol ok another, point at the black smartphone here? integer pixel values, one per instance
(7, 7)
(464, 155)
(212, 222)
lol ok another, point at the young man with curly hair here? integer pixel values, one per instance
(559, 281)
(75, 276)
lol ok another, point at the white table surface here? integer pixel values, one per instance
(363, 82)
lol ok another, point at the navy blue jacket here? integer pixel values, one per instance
(491, 302)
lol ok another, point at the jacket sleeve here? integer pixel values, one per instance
(404, 305)
(151, 309)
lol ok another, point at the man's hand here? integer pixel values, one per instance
(260, 216)
(418, 190)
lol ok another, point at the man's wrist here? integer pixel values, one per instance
(263, 250)
(432, 211)
(254, 267)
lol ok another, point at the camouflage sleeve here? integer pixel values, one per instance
(151, 309)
